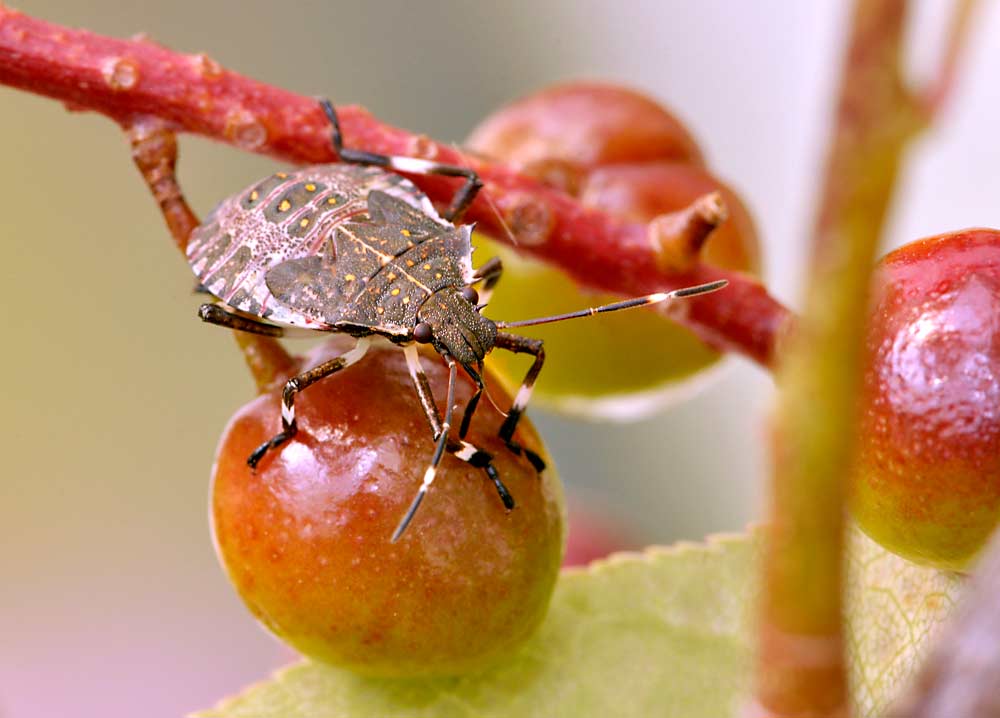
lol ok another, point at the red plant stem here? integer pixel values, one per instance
(941, 87)
(128, 78)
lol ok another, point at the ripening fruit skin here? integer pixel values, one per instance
(592, 366)
(927, 485)
(621, 152)
(306, 539)
(563, 132)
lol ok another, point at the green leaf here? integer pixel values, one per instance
(894, 606)
(667, 632)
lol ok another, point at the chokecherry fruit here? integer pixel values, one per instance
(306, 538)
(619, 151)
(561, 133)
(927, 484)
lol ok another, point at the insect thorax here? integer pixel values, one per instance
(459, 329)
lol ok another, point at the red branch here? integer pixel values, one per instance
(125, 79)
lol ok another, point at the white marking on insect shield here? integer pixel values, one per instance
(468, 273)
(412, 165)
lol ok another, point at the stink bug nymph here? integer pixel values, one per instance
(357, 249)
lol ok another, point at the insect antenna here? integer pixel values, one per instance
(438, 453)
(646, 300)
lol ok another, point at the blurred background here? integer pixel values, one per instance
(111, 601)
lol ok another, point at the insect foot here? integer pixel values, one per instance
(305, 538)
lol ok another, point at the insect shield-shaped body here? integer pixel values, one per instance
(357, 249)
(352, 249)
(343, 248)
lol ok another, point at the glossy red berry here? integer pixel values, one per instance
(621, 152)
(306, 538)
(928, 479)
(563, 132)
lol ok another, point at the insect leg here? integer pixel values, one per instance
(442, 441)
(413, 165)
(521, 345)
(296, 384)
(470, 408)
(472, 455)
(423, 388)
(214, 314)
(489, 274)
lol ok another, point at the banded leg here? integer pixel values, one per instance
(414, 165)
(470, 408)
(442, 441)
(296, 384)
(489, 274)
(214, 314)
(521, 345)
(472, 455)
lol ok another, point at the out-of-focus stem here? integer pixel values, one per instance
(801, 669)
(941, 86)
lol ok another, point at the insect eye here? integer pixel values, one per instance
(422, 333)
(470, 295)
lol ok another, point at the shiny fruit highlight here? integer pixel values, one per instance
(306, 538)
(927, 484)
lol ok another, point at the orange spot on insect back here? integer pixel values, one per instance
(284, 206)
